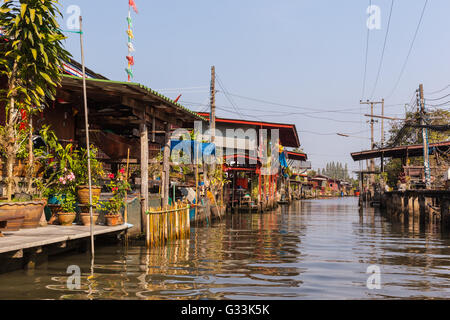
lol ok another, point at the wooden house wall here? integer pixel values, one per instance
(61, 119)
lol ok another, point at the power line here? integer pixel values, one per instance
(347, 110)
(438, 105)
(438, 91)
(315, 110)
(410, 50)
(182, 89)
(437, 99)
(365, 63)
(227, 96)
(382, 53)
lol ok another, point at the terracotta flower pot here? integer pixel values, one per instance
(83, 193)
(66, 218)
(86, 218)
(10, 211)
(32, 210)
(112, 219)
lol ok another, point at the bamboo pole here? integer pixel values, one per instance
(86, 122)
(167, 224)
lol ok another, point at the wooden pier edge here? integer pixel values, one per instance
(422, 206)
(28, 247)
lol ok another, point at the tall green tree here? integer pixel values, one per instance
(32, 63)
(401, 134)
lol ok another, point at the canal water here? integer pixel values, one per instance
(314, 249)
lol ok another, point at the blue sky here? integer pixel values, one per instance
(306, 55)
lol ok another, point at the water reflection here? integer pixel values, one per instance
(317, 249)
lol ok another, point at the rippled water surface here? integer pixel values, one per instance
(315, 249)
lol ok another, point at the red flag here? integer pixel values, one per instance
(130, 60)
(133, 4)
(178, 98)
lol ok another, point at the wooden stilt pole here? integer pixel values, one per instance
(126, 195)
(144, 178)
(166, 166)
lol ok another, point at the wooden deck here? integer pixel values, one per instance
(42, 236)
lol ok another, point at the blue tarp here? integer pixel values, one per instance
(282, 158)
(193, 148)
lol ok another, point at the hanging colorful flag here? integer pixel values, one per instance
(130, 34)
(178, 98)
(129, 72)
(133, 4)
(130, 58)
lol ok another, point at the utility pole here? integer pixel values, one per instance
(372, 141)
(426, 160)
(212, 117)
(382, 123)
(382, 134)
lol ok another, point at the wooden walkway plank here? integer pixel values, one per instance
(30, 238)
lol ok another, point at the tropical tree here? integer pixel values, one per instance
(32, 63)
(402, 134)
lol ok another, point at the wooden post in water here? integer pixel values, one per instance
(166, 166)
(144, 178)
(126, 195)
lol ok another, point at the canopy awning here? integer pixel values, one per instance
(132, 94)
(288, 132)
(400, 151)
(294, 155)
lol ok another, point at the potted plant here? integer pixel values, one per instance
(80, 168)
(65, 195)
(119, 187)
(67, 214)
(85, 215)
(56, 162)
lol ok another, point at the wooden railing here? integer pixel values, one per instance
(167, 224)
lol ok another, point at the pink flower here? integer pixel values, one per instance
(111, 176)
(122, 171)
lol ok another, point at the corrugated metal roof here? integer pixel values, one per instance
(143, 89)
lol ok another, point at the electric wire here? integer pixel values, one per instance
(437, 99)
(438, 91)
(366, 58)
(384, 48)
(409, 51)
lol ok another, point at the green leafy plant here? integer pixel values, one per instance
(32, 62)
(119, 187)
(67, 201)
(80, 166)
(55, 161)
